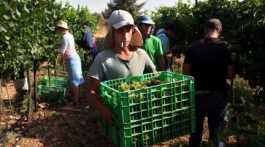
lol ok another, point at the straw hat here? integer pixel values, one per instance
(118, 19)
(62, 24)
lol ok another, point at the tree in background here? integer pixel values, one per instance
(27, 37)
(243, 21)
(129, 5)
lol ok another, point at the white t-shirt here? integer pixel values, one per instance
(67, 46)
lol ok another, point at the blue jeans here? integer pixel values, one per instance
(210, 104)
(74, 70)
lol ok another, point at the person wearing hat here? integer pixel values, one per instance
(121, 58)
(67, 52)
(152, 44)
(208, 60)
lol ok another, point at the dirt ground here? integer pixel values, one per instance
(63, 125)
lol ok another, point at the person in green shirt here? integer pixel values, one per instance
(152, 44)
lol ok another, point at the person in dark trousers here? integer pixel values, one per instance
(209, 62)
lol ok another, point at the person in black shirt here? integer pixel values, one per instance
(208, 60)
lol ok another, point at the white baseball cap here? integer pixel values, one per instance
(120, 18)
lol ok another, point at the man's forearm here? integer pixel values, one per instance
(92, 86)
(94, 100)
(187, 69)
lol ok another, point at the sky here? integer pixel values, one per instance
(100, 5)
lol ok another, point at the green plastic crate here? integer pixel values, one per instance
(152, 114)
(52, 81)
(52, 90)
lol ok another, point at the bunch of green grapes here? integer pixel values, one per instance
(124, 87)
(131, 86)
(134, 85)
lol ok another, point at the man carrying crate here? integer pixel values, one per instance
(122, 58)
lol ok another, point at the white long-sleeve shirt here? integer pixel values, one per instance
(67, 47)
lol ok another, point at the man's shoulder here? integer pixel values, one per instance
(140, 51)
(224, 43)
(160, 31)
(162, 36)
(220, 44)
(104, 54)
(206, 42)
(67, 35)
(156, 41)
(154, 38)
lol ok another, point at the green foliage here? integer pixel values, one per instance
(128, 5)
(77, 18)
(243, 23)
(244, 113)
(27, 32)
(27, 36)
(182, 15)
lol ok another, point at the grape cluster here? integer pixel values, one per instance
(134, 85)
